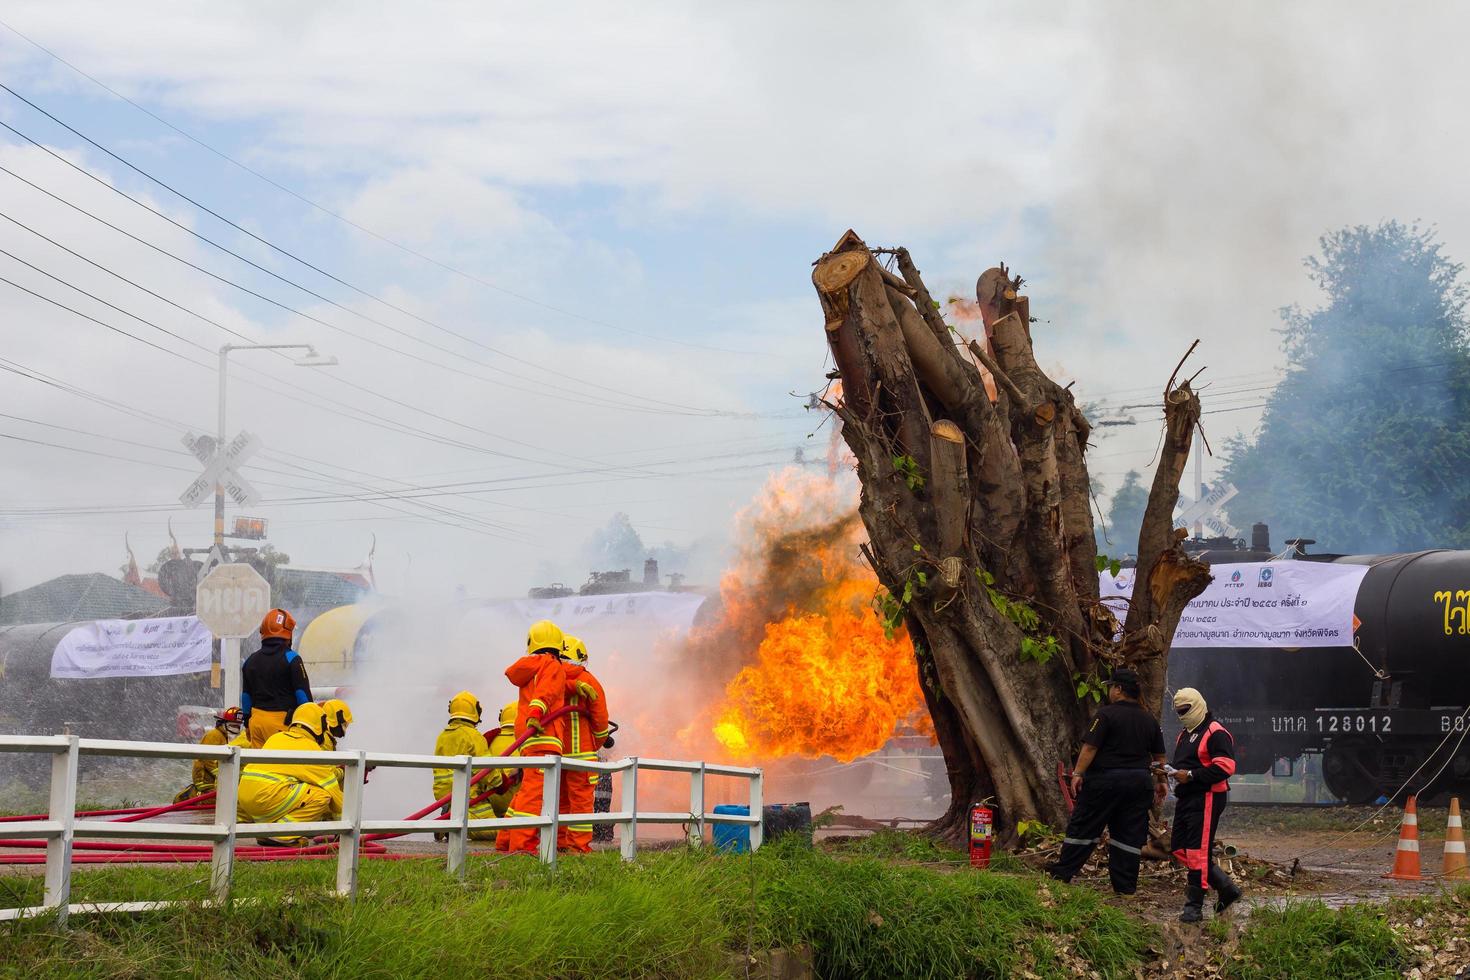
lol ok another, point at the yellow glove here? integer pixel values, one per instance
(587, 690)
(534, 723)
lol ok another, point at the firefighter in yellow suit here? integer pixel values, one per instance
(462, 737)
(339, 716)
(500, 745)
(229, 729)
(292, 792)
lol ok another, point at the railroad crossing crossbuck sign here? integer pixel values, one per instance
(232, 600)
(1206, 510)
(221, 467)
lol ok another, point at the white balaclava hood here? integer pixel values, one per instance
(1191, 705)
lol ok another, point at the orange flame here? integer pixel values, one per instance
(819, 676)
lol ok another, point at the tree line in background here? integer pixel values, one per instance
(1365, 443)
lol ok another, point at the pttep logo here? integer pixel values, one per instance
(1235, 582)
(1263, 581)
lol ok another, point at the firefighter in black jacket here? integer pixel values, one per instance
(1113, 785)
(1204, 761)
(273, 680)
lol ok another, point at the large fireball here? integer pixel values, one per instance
(819, 675)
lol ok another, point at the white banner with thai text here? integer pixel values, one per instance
(133, 648)
(1261, 604)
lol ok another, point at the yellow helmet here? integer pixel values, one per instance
(312, 717)
(465, 706)
(339, 716)
(508, 715)
(576, 650)
(544, 636)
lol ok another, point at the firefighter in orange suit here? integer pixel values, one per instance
(587, 730)
(541, 679)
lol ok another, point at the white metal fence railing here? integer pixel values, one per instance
(62, 827)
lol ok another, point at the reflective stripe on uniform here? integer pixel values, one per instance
(541, 741)
(1078, 840)
(1224, 763)
(592, 777)
(574, 722)
(1124, 847)
(292, 799)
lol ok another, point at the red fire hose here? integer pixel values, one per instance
(439, 803)
(107, 852)
(192, 803)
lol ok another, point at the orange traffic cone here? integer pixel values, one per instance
(1454, 844)
(1406, 858)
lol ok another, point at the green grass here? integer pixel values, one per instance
(1308, 940)
(672, 914)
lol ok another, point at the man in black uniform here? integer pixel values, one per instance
(1204, 761)
(1113, 786)
(273, 680)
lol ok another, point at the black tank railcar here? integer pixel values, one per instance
(32, 702)
(1377, 714)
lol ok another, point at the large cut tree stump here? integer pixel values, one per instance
(978, 512)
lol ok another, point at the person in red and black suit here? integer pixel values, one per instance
(1204, 761)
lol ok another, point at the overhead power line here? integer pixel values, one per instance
(540, 390)
(289, 392)
(323, 272)
(412, 494)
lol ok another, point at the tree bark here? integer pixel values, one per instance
(979, 513)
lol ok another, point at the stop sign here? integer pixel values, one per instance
(232, 600)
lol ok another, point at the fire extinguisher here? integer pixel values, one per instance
(982, 832)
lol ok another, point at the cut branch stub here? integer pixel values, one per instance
(832, 276)
(835, 272)
(951, 490)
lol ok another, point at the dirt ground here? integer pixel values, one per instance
(1336, 856)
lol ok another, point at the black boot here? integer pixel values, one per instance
(1194, 902)
(1226, 891)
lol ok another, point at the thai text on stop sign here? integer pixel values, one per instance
(235, 599)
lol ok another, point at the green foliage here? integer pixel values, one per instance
(908, 468)
(1090, 686)
(1036, 646)
(1040, 650)
(674, 914)
(1112, 565)
(1308, 940)
(890, 609)
(1365, 443)
(1032, 832)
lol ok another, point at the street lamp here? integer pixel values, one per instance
(311, 359)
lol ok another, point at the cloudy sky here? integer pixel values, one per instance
(562, 252)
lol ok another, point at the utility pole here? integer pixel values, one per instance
(312, 359)
(1199, 478)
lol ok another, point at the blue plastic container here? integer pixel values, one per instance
(732, 838)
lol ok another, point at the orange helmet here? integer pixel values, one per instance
(277, 623)
(230, 716)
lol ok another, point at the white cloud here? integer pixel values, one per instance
(1155, 170)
